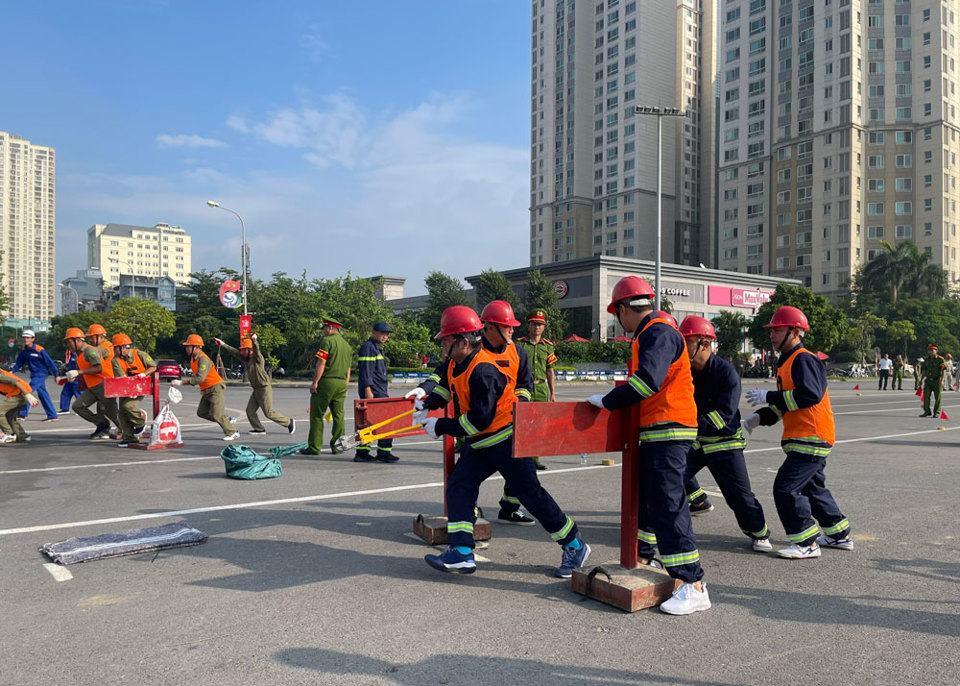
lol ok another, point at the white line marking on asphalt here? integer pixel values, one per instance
(866, 438)
(57, 572)
(915, 406)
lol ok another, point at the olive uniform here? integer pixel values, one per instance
(331, 390)
(12, 400)
(212, 393)
(897, 383)
(261, 398)
(933, 383)
(131, 418)
(542, 359)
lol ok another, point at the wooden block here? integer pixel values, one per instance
(627, 589)
(433, 530)
(607, 462)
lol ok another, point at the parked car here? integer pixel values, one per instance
(168, 369)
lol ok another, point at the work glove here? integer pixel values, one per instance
(218, 341)
(751, 422)
(420, 416)
(72, 374)
(757, 397)
(32, 399)
(176, 382)
(596, 400)
(430, 426)
(417, 394)
(253, 336)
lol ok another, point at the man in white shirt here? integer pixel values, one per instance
(884, 365)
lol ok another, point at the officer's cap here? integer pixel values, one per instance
(537, 316)
(330, 321)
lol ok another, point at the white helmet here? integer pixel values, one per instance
(28, 332)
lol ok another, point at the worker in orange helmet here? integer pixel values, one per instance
(16, 394)
(90, 366)
(212, 387)
(255, 368)
(131, 362)
(803, 403)
(97, 336)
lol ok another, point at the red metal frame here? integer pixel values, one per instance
(131, 387)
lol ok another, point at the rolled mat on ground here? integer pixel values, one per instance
(131, 542)
(243, 462)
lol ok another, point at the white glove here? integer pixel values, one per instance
(751, 422)
(253, 336)
(218, 341)
(176, 382)
(32, 399)
(757, 397)
(420, 416)
(417, 394)
(72, 374)
(430, 426)
(596, 400)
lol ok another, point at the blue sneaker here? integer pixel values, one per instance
(572, 559)
(452, 560)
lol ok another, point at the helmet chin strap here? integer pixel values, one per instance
(784, 341)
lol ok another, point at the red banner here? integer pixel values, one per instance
(245, 326)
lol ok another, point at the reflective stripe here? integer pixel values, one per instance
(442, 392)
(494, 439)
(789, 401)
(680, 559)
(696, 494)
(564, 531)
(817, 450)
(716, 419)
(369, 359)
(722, 446)
(523, 393)
(646, 537)
(509, 499)
(460, 527)
(434, 377)
(467, 426)
(804, 535)
(637, 384)
(382, 449)
(674, 433)
(763, 533)
(842, 525)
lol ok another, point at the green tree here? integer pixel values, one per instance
(144, 321)
(444, 291)
(860, 334)
(902, 330)
(730, 328)
(540, 294)
(409, 341)
(898, 272)
(59, 325)
(828, 324)
(493, 285)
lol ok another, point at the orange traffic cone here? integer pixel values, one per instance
(943, 415)
(857, 387)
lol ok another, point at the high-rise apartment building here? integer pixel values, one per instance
(159, 250)
(27, 230)
(593, 174)
(838, 130)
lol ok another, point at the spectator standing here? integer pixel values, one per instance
(948, 373)
(897, 383)
(884, 365)
(37, 360)
(933, 370)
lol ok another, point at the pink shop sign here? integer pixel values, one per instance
(737, 297)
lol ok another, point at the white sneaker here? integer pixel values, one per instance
(800, 552)
(841, 543)
(8, 438)
(686, 600)
(762, 545)
(232, 437)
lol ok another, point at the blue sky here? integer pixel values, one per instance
(372, 137)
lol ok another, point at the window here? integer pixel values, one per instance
(904, 231)
(904, 161)
(730, 254)
(875, 161)
(875, 185)
(904, 137)
(874, 209)
(904, 184)
(904, 207)
(875, 232)
(754, 230)
(783, 241)
(783, 263)
(875, 137)
(783, 198)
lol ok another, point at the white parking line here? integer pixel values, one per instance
(57, 572)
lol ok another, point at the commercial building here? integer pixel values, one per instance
(152, 251)
(593, 173)
(27, 230)
(838, 130)
(160, 289)
(84, 291)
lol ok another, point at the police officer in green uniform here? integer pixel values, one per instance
(329, 387)
(933, 369)
(542, 357)
(897, 383)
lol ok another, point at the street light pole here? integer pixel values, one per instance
(660, 113)
(243, 247)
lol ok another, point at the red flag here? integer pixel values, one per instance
(943, 415)
(857, 387)
(919, 393)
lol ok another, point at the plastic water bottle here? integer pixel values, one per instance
(583, 458)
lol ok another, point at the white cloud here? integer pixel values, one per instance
(185, 140)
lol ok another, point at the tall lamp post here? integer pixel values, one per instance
(243, 247)
(659, 113)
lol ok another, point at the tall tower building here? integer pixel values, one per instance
(27, 230)
(593, 174)
(151, 251)
(838, 130)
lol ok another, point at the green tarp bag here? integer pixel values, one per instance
(242, 462)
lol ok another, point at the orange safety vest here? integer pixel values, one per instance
(132, 368)
(814, 423)
(106, 355)
(91, 380)
(212, 377)
(460, 389)
(9, 382)
(674, 401)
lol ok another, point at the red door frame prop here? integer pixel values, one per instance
(132, 387)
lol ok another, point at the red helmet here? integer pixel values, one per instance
(663, 314)
(788, 316)
(632, 288)
(456, 320)
(697, 326)
(498, 312)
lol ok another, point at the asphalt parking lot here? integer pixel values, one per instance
(312, 577)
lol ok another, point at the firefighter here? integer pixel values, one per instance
(719, 446)
(212, 387)
(660, 382)
(329, 388)
(543, 357)
(132, 362)
(17, 394)
(97, 336)
(372, 382)
(483, 405)
(90, 368)
(37, 360)
(261, 397)
(802, 401)
(933, 371)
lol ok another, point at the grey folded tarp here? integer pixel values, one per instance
(131, 542)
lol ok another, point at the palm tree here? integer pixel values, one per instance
(902, 271)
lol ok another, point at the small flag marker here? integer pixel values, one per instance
(857, 387)
(943, 415)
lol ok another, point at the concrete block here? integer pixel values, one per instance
(433, 530)
(627, 589)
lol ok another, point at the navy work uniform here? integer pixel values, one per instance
(372, 374)
(35, 358)
(720, 444)
(661, 383)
